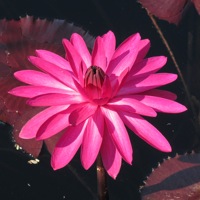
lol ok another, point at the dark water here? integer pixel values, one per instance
(22, 181)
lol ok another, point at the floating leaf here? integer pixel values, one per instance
(175, 178)
(169, 10)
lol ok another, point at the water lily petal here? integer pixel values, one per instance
(81, 48)
(92, 139)
(131, 104)
(146, 131)
(73, 57)
(111, 158)
(37, 78)
(147, 66)
(161, 104)
(109, 43)
(143, 48)
(33, 91)
(53, 125)
(98, 54)
(54, 58)
(29, 130)
(124, 55)
(119, 134)
(146, 83)
(68, 145)
(60, 74)
(161, 93)
(82, 113)
(55, 100)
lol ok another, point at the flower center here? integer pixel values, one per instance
(94, 76)
(93, 82)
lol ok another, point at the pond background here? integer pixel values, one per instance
(21, 181)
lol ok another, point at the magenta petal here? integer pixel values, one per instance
(37, 78)
(161, 104)
(132, 105)
(55, 100)
(148, 66)
(54, 58)
(124, 55)
(150, 82)
(30, 129)
(53, 125)
(98, 54)
(92, 139)
(143, 48)
(146, 131)
(82, 113)
(72, 56)
(119, 134)
(109, 43)
(81, 48)
(110, 156)
(33, 91)
(62, 75)
(68, 145)
(161, 93)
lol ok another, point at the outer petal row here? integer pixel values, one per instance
(68, 145)
(37, 78)
(58, 73)
(54, 58)
(31, 128)
(146, 131)
(119, 134)
(146, 83)
(33, 91)
(92, 139)
(124, 55)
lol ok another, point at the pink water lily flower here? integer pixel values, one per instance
(91, 97)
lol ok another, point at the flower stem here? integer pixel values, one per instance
(101, 180)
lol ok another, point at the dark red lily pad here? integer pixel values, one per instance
(18, 40)
(169, 10)
(175, 178)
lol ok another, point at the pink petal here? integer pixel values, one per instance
(82, 113)
(55, 100)
(148, 66)
(161, 93)
(146, 83)
(124, 55)
(73, 57)
(143, 49)
(92, 139)
(146, 131)
(53, 125)
(37, 78)
(60, 74)
(119, 134)
(110, 156)
(161, 104)
(81, 48)
(68, 145)
(109, 43)
(54, 58)
(98, 54)
(116, 81)
(30, 129)
(132, 105)
(33, 91)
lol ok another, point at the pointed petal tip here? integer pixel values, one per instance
(113, 173)
(24, 135)
(166, 147)
(85, 165)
